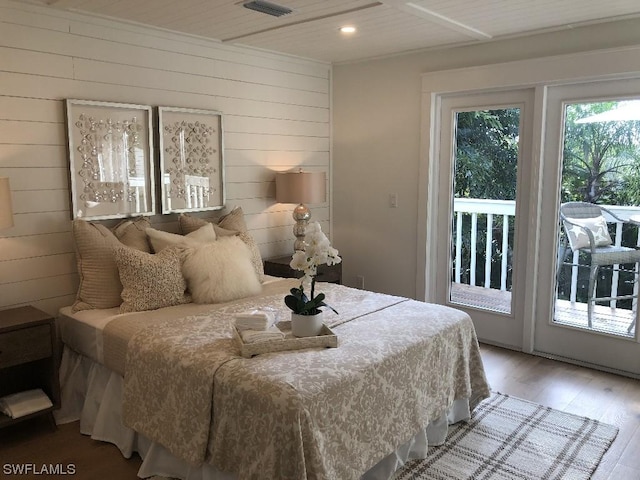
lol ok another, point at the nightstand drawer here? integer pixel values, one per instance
(25, 345)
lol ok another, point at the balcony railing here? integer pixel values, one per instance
(490, 208)
(504, 210)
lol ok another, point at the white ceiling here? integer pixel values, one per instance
(385, 27)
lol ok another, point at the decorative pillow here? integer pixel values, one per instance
(231, 224)
(578, 238)
(161, 240)
(256, 258)
(133, 233)
(150, 281)
(100, 285)
(234, 220)
(190, 224)
(220, 271)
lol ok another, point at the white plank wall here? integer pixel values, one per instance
(276, 117)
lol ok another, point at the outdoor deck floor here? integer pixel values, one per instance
(607, 320)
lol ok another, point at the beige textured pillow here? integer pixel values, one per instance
(220, 271)
(100, 285)
(189, 223)
(150, 281)
(256, 258)
(234, 220)
(160, 240)
(231, 224)
(133, 233)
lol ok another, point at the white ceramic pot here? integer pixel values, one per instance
(306, 325)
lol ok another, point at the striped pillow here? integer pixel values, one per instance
(100, 285)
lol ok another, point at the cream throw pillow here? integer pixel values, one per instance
(160, 240)
(220, 271)
(231, 224)
(578, 238)
(150, 281)
(189, 223)
(100, 285)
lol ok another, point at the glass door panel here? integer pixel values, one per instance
(483, 187)
(600, 166)
(485, 176)
(591, 155)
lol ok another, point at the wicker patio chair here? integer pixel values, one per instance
(586, 231)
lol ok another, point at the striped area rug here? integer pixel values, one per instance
(508, 438)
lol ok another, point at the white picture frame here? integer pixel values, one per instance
(111, 163)
(192, 176)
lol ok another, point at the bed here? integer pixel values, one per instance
(402, 372)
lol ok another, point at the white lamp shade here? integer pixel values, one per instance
(301, 187)
(6, 210)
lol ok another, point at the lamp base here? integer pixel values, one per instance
(301, 215)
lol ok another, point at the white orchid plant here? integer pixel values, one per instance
(318, 252)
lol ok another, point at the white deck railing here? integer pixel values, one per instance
(506, 209)
(490, 208)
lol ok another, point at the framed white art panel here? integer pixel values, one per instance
(111, 159)
(191, 159)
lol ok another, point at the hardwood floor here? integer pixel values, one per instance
(599, 395)
(35, 442)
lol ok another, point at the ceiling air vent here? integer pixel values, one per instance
(267, 7)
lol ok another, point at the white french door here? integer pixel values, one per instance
(610, 340)
(483, 179)
(464, 234)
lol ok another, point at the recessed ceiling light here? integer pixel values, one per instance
(348, 29)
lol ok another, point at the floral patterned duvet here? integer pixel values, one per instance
(306, 414)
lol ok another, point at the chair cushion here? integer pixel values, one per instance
(611, 255)
(578, 237)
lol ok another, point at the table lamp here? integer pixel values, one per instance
(6, 210)
(301, 187)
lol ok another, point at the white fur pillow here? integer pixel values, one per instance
(160, 240)
(220, 271)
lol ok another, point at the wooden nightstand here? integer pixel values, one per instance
(28, 357)
(279, 267)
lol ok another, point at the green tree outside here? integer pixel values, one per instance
(486, 168)
(601, 164)
(601, 160)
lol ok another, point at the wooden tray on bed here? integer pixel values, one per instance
(326, 338)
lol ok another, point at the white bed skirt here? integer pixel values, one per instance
(92, 394)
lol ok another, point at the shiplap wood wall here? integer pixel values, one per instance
(276, 117)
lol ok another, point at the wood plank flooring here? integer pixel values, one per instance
(35, 442)
(599, 395)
